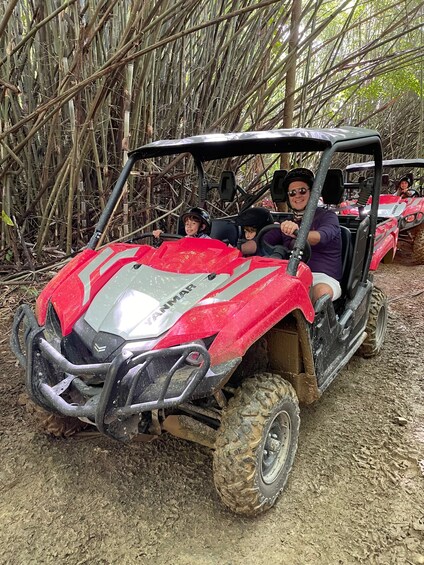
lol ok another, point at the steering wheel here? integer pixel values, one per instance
(412, 193)
(265, 249)
(163, 237)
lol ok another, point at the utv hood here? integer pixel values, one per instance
(141, 302)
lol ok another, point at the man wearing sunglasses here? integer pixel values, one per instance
(324, 237)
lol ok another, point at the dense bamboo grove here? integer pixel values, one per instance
(83, 81)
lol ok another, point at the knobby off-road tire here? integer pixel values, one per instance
(376, 325)
(418, 246)
(256, 444)
(52, 424)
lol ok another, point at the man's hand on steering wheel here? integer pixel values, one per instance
(279, 251)
(265, 249)
(289, 228)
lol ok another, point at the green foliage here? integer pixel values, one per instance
(5, 218)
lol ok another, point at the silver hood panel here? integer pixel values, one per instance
(141, 302)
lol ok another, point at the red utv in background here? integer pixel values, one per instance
(409, 211)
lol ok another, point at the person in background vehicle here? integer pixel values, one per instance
(324, 236)
(197, 223)
(404, 188)
(252, 221)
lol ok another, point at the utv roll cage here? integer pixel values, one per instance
(220, 146)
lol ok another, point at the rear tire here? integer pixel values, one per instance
(376, 325)
(256, 444)
(418, 246)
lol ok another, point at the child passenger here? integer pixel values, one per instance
(252, 221)
(197, 223)
(249, 232)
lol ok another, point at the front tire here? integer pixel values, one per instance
(50, 423)
(256, 444)
(376, 325)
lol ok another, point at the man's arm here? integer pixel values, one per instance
(289, 229)
(326, 229)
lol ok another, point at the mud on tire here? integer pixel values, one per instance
(256, 444)
(376, 325)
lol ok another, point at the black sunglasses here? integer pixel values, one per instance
(300, 191)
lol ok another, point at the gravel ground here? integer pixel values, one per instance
(355, 494)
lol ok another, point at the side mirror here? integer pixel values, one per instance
(227, 186)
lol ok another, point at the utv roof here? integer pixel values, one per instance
(389, 163)
(222, 145)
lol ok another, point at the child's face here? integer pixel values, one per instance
(191, 225)
(249, 232)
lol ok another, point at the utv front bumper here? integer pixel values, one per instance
(114, 395)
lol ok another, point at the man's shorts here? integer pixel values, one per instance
(326, 279)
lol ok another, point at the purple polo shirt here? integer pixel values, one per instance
(326, 256)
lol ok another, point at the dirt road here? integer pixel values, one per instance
(355, 495)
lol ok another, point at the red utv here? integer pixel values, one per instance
(408, 210)
(194, 339)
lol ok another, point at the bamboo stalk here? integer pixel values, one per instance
(196, 66)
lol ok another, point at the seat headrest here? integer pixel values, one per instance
(333, 189)
(256, 217)
(225, 230)
(278, 193)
